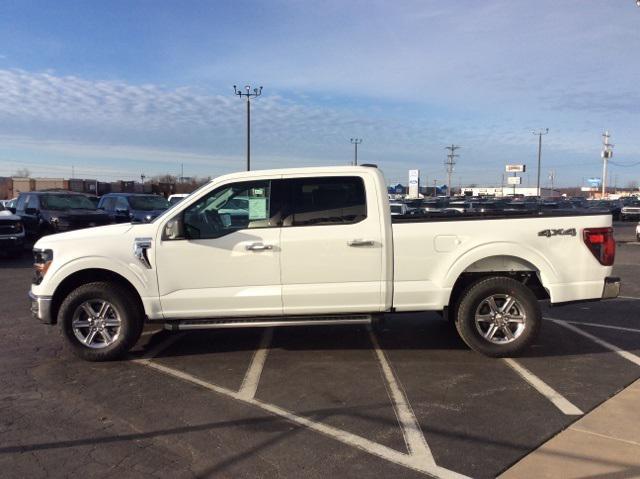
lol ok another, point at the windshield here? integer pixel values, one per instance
(148, 203)
(66, 202)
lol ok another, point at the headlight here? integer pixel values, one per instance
(42, 259)
(18, 227)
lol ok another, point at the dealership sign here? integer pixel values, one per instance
(516, 168)
(514, 180)
(414, 183)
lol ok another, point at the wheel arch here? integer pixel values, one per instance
(505, 265)
(91, 275)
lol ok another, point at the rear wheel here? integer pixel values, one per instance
(498, 317)
(100, 321)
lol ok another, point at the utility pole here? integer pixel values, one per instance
(552, 177)
(450, 163)
(355, 142)
(248, 94)
(607, 153)
(540, 133)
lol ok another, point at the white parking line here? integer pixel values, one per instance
(543, 388)
(625, 354)
(413, 436)
(607, 326)
(407, 460)
(252, 377)
(628, 297)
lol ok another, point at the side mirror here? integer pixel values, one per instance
(174, 229)
(31, 211)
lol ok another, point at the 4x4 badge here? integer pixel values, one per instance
(557, 232)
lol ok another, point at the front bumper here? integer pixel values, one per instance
(611, 287)
(41, 308)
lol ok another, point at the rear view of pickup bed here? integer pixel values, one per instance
(311, 246)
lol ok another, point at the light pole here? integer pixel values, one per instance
(256, 93)
(539, 133)
(356, 142)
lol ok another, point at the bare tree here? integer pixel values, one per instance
(22, 173)
(632, 185)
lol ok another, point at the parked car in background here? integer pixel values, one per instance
(177, 198)
(11, 232)
(94, 200)
(46, 212)
(398, 209)
(638, 232)
(613, 207)
(133, 207)
(10, 204)
(630, 211)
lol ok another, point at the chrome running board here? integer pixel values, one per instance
(186, 324)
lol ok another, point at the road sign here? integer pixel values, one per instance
(514, 180)
(516, 168)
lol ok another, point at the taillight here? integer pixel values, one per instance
(601, 243)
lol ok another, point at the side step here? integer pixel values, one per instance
(267, 322)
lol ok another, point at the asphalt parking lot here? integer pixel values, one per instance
(407, 400)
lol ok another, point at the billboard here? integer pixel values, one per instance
(414, 183)
(516, 168)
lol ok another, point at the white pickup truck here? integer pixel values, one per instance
(316, 246)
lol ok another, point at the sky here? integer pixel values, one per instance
(112, 90)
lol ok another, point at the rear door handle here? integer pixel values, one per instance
(258, 247)
(360, 242)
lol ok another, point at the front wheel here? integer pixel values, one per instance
(498, 317)
(100, 321)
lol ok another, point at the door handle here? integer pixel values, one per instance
(258, 247)
(360, 242)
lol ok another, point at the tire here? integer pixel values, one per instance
(108, 311)
(512, 332)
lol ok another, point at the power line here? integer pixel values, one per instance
(607, 153)
(450, 163)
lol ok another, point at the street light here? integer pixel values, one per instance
(356, 142)
(539, 133)
(256, 93)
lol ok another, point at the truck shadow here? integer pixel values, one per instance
(410, 332)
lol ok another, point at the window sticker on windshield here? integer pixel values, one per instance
(257, 208)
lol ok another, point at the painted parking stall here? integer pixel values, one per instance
(406, 399)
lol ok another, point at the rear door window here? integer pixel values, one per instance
(326, 201)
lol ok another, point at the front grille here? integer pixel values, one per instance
(6, 229)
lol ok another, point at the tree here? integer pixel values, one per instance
(22, 173)
(632, 185)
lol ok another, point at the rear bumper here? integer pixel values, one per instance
(611, 287)
(41, 308)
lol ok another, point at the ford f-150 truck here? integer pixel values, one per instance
(316, 246)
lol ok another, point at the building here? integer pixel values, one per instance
(50, 184)
(502, 191)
